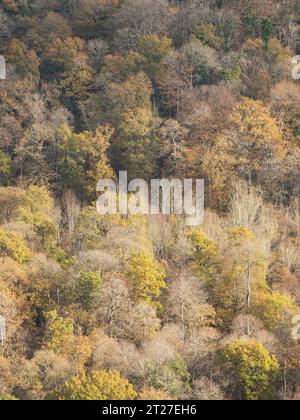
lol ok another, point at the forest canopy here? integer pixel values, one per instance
(144, 307)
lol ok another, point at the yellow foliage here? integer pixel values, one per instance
(252, 367)
(77, 82)
(58, 331)
(154, 49)
(12, 273)
(62, 339)
(146, 278)
(240, 233)
(137, 122)
(100, 385)
(152, 394)
(12, 245)
(82, 160)
(255, 123)
(206, 251)
(37, 205)
(274, 308)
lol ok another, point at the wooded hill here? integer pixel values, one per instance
(143, 307)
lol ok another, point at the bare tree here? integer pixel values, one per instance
(113, 308)
(246, 205)
(137, 18)
(188, 304)
(72, 209)
(289, 254)
(205, 389)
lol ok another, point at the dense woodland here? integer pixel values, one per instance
(144, 307)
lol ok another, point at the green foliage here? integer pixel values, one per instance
(77, 82)
(202, 62)
(161, 89)
(252, 368)
(206, 33)
(232, 72)
(6, 169)
(172, 376)
(101, 385)
(138, 143)
(252, 23)
(61, 256)
(258, 25)
(154, 49)
(227, 30)
(267, 29)
(81, 161)
(87, 289)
